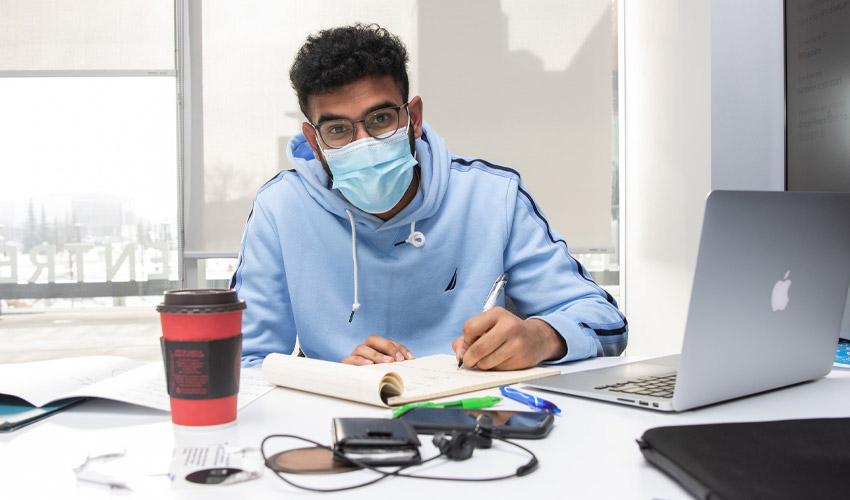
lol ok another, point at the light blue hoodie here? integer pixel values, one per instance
(297, 275)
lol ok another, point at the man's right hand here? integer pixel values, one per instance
(377, 350)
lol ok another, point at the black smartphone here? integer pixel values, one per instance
(509, 424)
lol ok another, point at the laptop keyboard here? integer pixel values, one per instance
(660, 386)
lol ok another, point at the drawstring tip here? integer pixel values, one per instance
(400, 243)
(352, 316)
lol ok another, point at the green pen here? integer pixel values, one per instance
(463, 404)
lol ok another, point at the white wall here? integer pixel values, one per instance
(747, 95)
(667, 163)
(691, 127)
(539, 100)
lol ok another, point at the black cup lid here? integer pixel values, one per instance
(203, 301)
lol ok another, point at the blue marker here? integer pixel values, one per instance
(534, 402)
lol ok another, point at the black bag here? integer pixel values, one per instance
(807, 459)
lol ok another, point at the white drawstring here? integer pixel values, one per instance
(356, 304)
(415, 237)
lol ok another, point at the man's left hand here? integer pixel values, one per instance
(498, 340)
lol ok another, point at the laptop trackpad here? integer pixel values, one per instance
(588, 379)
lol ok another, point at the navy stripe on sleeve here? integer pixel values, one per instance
(602, 332)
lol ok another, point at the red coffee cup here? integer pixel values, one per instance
(202, 352)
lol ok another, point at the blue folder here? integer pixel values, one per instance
(16, 413)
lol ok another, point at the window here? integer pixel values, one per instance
(88, 148)
(89, 195)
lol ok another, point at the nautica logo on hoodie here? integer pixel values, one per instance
(453, 282)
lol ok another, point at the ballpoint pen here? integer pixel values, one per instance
(539, 404)
(491, 300)
(463, 404)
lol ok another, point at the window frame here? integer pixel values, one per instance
(120, 288)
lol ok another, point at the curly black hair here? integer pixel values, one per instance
(342, 55)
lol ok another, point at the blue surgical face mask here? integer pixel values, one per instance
(373, 174)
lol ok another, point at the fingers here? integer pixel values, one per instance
(502, 341)
(356, 360)
(377, 349)
(459, 347)
(493, 339)
(480, 324)
(390, 348)
(509, 355)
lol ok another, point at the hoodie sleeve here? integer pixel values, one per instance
(260, 279)
(546, 282)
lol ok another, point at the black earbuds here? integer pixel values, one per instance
(484, 426)
(458, 447)
(462, 444)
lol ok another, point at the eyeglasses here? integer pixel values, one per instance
(381, 124)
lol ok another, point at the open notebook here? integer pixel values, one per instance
(390, 384)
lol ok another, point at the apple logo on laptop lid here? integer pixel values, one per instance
(779, 297)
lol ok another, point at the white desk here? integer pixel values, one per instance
(591, 452)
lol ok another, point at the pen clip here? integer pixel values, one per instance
(500, 282)
(495, 290)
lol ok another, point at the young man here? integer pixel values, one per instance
(381, 245)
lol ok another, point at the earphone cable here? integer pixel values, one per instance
(521, 471)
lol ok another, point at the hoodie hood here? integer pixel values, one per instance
(434, 162)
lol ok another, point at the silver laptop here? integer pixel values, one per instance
(768, 296)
